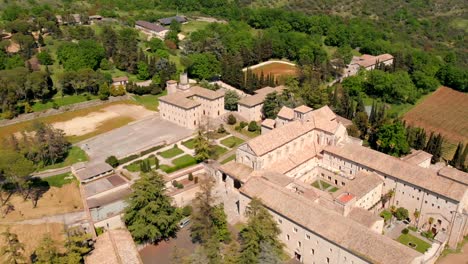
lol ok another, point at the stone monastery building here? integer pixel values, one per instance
(188, 106)
(339, 222)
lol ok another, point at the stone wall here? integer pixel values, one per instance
(63, 109)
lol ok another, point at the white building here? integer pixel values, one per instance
(324, 189)
(189, 106)
(250, 106)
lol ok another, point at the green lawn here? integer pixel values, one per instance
(228, 159)
(62, 101)
(74, 155)
(170, 153)
(184, 161)
(192, 26)
(334, 189)
(421, 245)
(189, 143)
(216, 135)
(60, 179)
(149, 101)
(232, 142)
(217, 151)
(324, 184)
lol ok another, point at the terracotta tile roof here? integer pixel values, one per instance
(367, 60)
(322, 118)
(259, 96)
(361, 185)
(394, 167)
(182, 99)
(150, 26)
(346, 122)
(303, 109)
(236, 170)
(294, 159)
(454, 174)
(363, 217)
(331, 225)
(270, 123)
(417, 157)
(120, 79)
(114, 246)
(286, 113)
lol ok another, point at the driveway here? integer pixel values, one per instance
(163, 252)
(133, 138)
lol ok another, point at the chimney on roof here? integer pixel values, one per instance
(184, 83)
(171, 86)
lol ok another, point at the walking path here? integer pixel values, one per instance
(53, 172)
(67, 218)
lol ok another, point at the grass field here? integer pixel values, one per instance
(31, 235)
(193, 26)
(189, 143)
(421, 245)
(317, 185)
(53, 201)
(170, 153)
(60, 180)
(184, 161)
(62, 101)
(104, 127)
(445, 112)
(232, 142)
(150, 102)
(74, 155)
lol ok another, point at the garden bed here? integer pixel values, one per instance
(414, 242)
(232, 142)
(170, 153)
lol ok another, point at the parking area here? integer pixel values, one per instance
(163, 252)
(133, 138)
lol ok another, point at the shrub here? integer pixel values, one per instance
(113, 161)
(386, 215)
(405, 231)
(427, 234)
(221, 129)
(99, 230)
(401, 213)
(243, 124)
(174, 183)
(253, 126)
(128, 158)
(179, 185)
(146, 151)
(190, 177)
(187, 210)
(55, 105)
(231, 119)
(195, 180)
(413, 228)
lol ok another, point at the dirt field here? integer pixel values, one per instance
(445, 112)
(278, 69)
(31, 235)
(54, 201)
(83, 125)
(86, 123)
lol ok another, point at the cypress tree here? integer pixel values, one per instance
(457, 161)
(437, 151)
(360, 105)
(430, 144)
(372, 114)
(463, 158)
(420, 139)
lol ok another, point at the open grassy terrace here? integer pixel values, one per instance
(414, 242)
(170, 153)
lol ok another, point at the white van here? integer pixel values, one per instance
(184, 222)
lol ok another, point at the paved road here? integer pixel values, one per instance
(133, 138)
(48, 173)
(68, 218)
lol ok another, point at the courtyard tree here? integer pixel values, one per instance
(231, 98)
(150, 215)
(271, 106)
(231, 119)
(401, 213)
(260, 234)
(391, 139)
(13, 250)
(202, 147)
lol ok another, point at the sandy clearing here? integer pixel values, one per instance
(83, 125)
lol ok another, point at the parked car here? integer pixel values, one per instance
(184, 222)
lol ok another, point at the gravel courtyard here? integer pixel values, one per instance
(133, 138)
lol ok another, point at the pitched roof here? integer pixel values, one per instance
(207, 93)
(286, 113)
(363, 217)
(417, 157)
(454, 174)
(270, 123)
(367, 60)
(236, 170)
(87, 170)
(183, 98)
(322, 118)
(260, 96)
(361, 185)
(303, 109)
(119, 194)
(120, 79)
(114, 246)
(394, 167)
(150, 26)
(342, 231)
(168, 20)
(294, 159)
